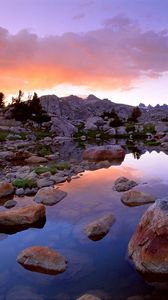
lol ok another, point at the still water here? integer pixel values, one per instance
(100, 267)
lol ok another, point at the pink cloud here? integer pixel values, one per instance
(111, 57)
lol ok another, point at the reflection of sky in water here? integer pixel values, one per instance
(153, 165)
(101, 265)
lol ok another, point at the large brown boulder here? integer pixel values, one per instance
(99, 228)
(106, 152)
(49, 196)
(19, 218)
(135, 198)
(148, 247)
(6, 189)
(42, 259)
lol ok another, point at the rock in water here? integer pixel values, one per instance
(123, 184)
(10, 203)
(49, 196)
(24, 216)
(106, 152)
(135, 198)
(148, 247)
(43, 260)
(88, 297)
(99, 228)
(6, 189)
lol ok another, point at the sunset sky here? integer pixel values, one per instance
(116, 49)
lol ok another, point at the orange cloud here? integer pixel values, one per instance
(111, 57)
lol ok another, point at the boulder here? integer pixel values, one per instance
(49, 196)
(8, 155)
(35, 160)
(135, 198)
(148, 247)
(93, 122)
(106, 152)
(10, 203)
(21, 217)
(123, 184)
(99, 228)
(6, 189)
(88, 297)
(44, 182)
(42, 259)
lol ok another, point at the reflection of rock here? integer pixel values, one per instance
(133, 198)
(123, 184)
(6, 189)
(43, 260)
(106, 152)
(15, 220)
(99, 228)
(23, 293)
(148, 247)
(49, 196)
(88, 297)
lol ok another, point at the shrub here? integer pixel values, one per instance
(149, 128)
(24, 183)
(130, 127)
(3, 135)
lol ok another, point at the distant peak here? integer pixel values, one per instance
(92, 97)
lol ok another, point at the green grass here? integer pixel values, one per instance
(41, 134)
(40, 170)
(63, 166)
(43, 150)
(24, 183)
(53, 168)
(3, 135)
(152, 143)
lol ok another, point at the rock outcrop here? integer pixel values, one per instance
(6, 189)
(135, 198)
(42, 259)
(148, 247)
(99, 228)
(123, 184)
(23, 217)
(49, 196)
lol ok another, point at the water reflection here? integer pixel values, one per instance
(103, 266)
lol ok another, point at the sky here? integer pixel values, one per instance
(116, 49)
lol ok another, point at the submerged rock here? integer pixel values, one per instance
(148, 247)
(20, 292)
(123, 184)
(6, 189)
(106, 152)
(99, 228)
(134, 198)
(43, 260)
(23, 216)
(49, 196)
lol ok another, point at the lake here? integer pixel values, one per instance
(100, 267)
